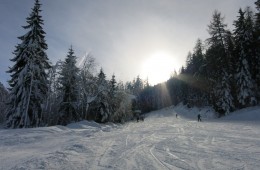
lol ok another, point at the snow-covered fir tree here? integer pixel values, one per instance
(28, 84)
(224, 96)
(245, 93)
(112, 94)
(217, 65)
(99, 109)
(69, 90)
(244, 81)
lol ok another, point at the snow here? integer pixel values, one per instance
(162, 141)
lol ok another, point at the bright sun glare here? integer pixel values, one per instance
(158, 67)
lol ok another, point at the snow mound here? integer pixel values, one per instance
(84, 125)
(251, 114)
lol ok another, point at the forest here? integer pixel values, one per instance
(222, 72)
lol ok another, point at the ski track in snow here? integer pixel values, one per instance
(160, 142)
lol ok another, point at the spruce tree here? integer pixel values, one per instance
(69, 89)
(224, 95)
(244, 81)
(217, 65)
(28, 84)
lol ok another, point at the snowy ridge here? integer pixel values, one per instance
(162, 141)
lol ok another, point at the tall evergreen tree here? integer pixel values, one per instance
(257, 47)
(224, 98)
(244, 81)
(113, 85)
(198, 76)
(69, 90)
(217, 64)
(28, 84)
(251, 43)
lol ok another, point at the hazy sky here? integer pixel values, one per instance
(122, 35)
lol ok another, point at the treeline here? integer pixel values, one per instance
(223, 72)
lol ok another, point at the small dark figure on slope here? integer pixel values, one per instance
(199, 118)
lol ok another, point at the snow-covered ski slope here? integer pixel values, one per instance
(162, 141)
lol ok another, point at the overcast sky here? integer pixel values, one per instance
(121, 34)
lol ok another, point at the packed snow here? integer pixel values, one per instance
(162, 141)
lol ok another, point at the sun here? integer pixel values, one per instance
(158, 67)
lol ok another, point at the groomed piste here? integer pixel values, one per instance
(162, 141)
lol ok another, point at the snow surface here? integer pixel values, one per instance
(162, 141)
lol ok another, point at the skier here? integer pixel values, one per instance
(199, 118)
(176, 115)
(137, 118)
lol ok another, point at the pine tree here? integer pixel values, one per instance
(244, 81)
(69, 90)
(28, 84)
